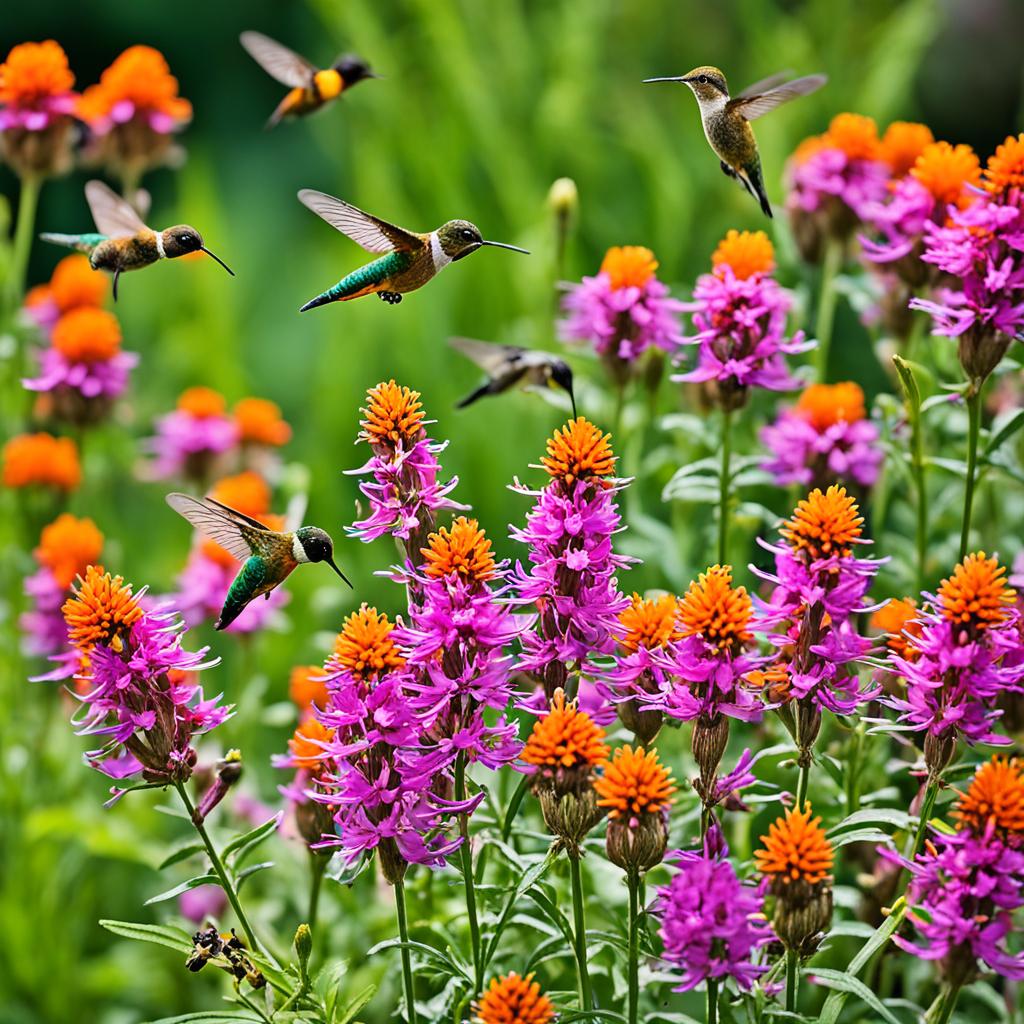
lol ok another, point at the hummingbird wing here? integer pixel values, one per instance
(765, 84)
(372, 233)
(231, 529)
(493, 359)
(277, 60)
(753, 107)
(114, 216)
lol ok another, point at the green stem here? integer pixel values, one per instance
(580, 935)
(927, 805)
(403, 935)
(973, 430)
(633, 881)
(723, 488)
(947, 1003)
(921, 530)
(853, 769)
(317, 866)
(831, 264)
(513, 807)
(792, 979)
(22, 245)
(712, 1013)
(218, 867)
(466, 855)
(802, 781)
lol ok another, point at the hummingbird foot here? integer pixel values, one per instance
(391, 298)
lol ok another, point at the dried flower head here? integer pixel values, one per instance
(824, 525)
(579, 451)
(365, 646)
(463, 552)
(100, 611)
(393, 416)
(68, 546)
(511, 999)
(715, 610)
(976, 595)
(745, 252)
(995, 798)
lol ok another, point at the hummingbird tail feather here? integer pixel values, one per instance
(755, 181)
(484, 389)
(68, 241)
(321, 300)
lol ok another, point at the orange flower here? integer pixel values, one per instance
(68, 546)
(306, 745)
(393, 416)
(996, 795)
(41, 459)
(464, 551)
(773, 682)
(795, 849)
(810, 146)
(513, 1000)
(565, 737)
(856, 135)
(896, 619)
(141, 77)
(100, 610)
(825, 405)
(902, 143)
(824, 525)
(628, 266)
(259, 422)
(1005, 168)
(634, 783)
(34, 72)
(87, 335)
(715, 610)
(202, 403)
(649, 622)
(307, 686)
(364, 645)
(74, 283)
(247, 492)
(945, 170)
(746, 252)
(976, 595)
(579, 451)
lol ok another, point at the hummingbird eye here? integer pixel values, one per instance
(703, 79)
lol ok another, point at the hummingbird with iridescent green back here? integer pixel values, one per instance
(267, 556)
(407, 260)
(122, 241)
(726, 118)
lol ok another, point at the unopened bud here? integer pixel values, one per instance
(637, 844)
(643, 724)
(563, 198)
(303, 943)
(570, 816)
(710, 738)
(939, 751)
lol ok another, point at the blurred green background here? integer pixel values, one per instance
(482, 106)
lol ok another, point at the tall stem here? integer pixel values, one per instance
(792, 979)
(580, 935)
(403, 935)
(802, 781)
(973, 430)
(317, 866)
(22, 246)
(466, 855)
(218, 867)
(723, 488)
(921, 530)
(927, 805)
(831, 264)
(711, 1017)
(633, 881)
(943, 1010)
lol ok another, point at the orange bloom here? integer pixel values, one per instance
(825, 405)
(74, 283)
(513, 1000)
(856, 135)
(634, 783)
(393, 416)
(996, 794)
(247, 492)
(203, 403)
(1005, 168)
(41, 459)
(628, 266)
(795, 849)
(463, 551)
(34, 72)
(649, 622)
(565, 737)
(87, 335)
(579, 451)
(824, 525)
(772, 681)
(364, 645)
(141, 77)
(976, 595)
(259, 422)
(902, 143)
(68, 546)
(100, 609)
(306, 745)
(746, 252)
(715, 610)
(307, 686)
(945, 170)
(809, 147)
(896, 620)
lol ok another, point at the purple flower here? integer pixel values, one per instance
(189, 440)
(203, 903)
(44, 631)
(107, 379)
(712, 925)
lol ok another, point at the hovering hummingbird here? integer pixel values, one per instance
(727, 119)
(311, 88)
(508, 365)
(409, 259)
(122, 241)
(267, 557)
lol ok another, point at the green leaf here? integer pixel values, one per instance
(452, 967)
(213, 1017)
(871, 816)
(909, 384)
(860, 835)
(251, 870)
(355, 1004)
(244, 844)
(180, 854)
(551, 912)
(160, 934)
(1004, 433)
(842, 982)
(527, 880)
(191, 883)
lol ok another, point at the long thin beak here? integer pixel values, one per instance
(330, 562)
(505, 245)
(572, 398)
(679, 78)
(218, 259)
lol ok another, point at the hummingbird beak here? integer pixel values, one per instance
(572, 398)
(330, 562)
(203, 248)
(678, 78)
(505, 245)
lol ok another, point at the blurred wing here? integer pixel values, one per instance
(753, 107)
(278, 61)
(114, 216)
(766, 84)
(492, 359)
(220, 523)
(372, 233)
(295, 513)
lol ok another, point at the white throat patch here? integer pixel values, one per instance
(437, 254)
(298, 551)
(160, 245)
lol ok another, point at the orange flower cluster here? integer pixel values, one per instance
(649, 622)
(202, 403)
(946, 171)
(463, 551)
(565, 737)
(393, 416)
(902, 143)
(41, 460)
(996, 796)
(306, 687)
(100, 610)
(824, 524)
(715, 610)
(513, 1000)
(259, 421)
(87, 335)
(141, 77)
(34, 72)
(579, 451)
(896, 619)
(795, 849)
(68, 546)
(1005, 168)
(307, 744)
(976, 595)
(628, 266)
(365, 647)
(825, 405)
(247, 492)
(634, 783)
(745, 252)
(72, 285)
(856, 135)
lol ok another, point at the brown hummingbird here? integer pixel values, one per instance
(726, 119)
(409, 259)
(122, 241)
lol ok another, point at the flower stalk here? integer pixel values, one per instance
(973, 432)
(466, 856)
(823, 324)
(723, 488)
(586, 996)
(633, 968)
(403, 935)
(22, 244)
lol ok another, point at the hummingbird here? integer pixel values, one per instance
(508, 365)
(122, 241)
(727, 119)
(310, 87)
(409, 259)
(267, 556)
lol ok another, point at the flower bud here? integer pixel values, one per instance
(570, 816)
(637, 845)
(563, 198)
(709, 742)
(939, 751)
(303, 943)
